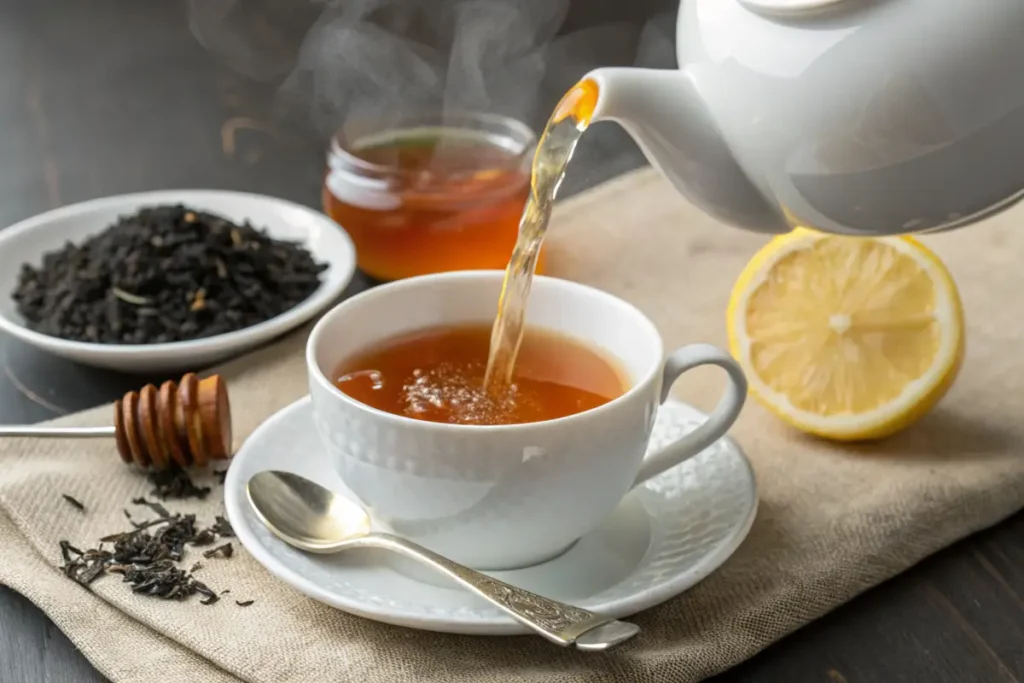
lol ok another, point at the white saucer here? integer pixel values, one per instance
(661, 540)
(27, 241)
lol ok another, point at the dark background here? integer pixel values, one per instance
(108, 96)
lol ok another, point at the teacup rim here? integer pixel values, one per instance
(320, 376)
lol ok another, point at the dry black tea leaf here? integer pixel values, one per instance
(147, 555)
(244, 603)
(209, 597)
(174, 482)
(222, 527)
(138, 527)
(83, 567)
(204, 537)
(67, 550)
(74, 503)
(89, 572)
(164, 274)
(159, 509)
(163, 580)
(226, 550)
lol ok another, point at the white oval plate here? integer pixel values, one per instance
(27, 241)
(662, 539)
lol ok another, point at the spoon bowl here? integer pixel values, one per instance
(304, 514)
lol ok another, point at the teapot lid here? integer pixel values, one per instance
(787, 6)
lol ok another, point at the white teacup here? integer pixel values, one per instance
(499, 497)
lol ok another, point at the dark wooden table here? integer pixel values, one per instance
(108, 96)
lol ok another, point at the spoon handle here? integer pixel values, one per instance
(558, 622)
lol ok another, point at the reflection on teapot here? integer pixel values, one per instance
(862, 117)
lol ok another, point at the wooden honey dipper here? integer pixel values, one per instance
(184, 424)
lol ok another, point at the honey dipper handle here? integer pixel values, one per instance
(57, 432)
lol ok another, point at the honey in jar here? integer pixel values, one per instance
(430, 194)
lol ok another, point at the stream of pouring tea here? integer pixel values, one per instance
(554, 150)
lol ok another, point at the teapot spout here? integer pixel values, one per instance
(664, 113)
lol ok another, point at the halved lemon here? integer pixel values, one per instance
(848, 338)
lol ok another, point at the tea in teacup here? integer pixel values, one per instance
(437, 374)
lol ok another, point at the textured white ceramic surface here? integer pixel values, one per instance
(663, 538)
(850, 116)
(495, 497)
(27, 241)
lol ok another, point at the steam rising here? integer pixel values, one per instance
(336, 59)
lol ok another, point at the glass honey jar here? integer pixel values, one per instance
(430, 192)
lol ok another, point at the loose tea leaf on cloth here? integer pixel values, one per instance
(833, 520)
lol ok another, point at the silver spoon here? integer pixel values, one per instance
(312, 518)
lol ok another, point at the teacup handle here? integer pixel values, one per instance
(718, 422)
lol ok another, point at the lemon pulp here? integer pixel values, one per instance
(847, 338)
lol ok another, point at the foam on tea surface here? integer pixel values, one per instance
(454, 392)
(438, 375)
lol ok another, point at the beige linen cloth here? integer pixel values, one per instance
(833, 520)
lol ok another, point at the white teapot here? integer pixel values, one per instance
(863, 117)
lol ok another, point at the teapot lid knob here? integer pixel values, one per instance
(788, 6)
